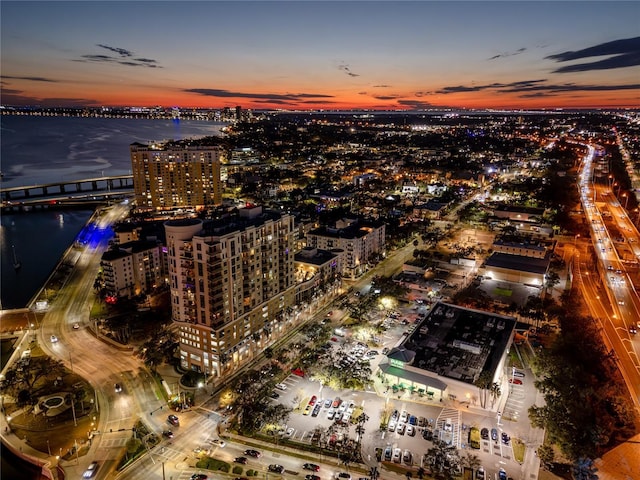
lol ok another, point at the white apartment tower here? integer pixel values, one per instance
(232, 286)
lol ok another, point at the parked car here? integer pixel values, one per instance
(343, 476)
(274, 395)
(401, 428)
(392, 425)
(311, 477)
(241, 460)
(505, 438)
(388, 453)
(253, 453)
(199, 476)
(173, 420)
(422, 422)
(411, 431)
(311, 466)
(327, 403)
(484, 433)
(91, 470)
(397, 455)
(515, 381)
(312, 402)
(406, 457)
(276, 468)
(76, 326)
(517, 373)
(167, 434)
(494, 434)
(502, 474)
(281, 386)
(480, 473)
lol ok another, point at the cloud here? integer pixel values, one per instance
(346, 69)
(16, 98)
(382, 86)
(509, 54)
(125, 57)
(572, 87)
(32, 79)
(385, 97)
(415, 104)
(120, 51)
(258, 97)
(539, 86)
(622, 53)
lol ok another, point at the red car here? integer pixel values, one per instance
(312, 402)
(515, 381)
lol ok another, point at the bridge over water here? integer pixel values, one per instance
(70, 191)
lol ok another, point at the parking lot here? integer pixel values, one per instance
(411, 423)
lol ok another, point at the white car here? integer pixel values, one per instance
(91, 470)
(54, 339)
(217, 442)
(281, 386)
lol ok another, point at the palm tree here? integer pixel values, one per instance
(495, 392)
(483, 383)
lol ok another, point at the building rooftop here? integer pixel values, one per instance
(519, 262)
(315, 256)
(459, 343)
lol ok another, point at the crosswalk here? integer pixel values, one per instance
(448, 424)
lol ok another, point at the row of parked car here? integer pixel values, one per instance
(396, 455)
(404, 422)
(484, 433)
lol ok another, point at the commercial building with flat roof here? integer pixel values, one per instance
(447, 352)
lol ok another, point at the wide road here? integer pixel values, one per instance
(609, 222)
(96, 361)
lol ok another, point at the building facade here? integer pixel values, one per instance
(232, 287)
(171, 175)
(360, 241)
(133, 268)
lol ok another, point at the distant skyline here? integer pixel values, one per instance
(382, 55)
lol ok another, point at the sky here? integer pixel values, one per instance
(383, 55)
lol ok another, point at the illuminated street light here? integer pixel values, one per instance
(626, 197)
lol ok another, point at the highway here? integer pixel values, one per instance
(611, 297)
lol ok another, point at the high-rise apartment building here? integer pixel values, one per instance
(232, 286)
(179, 174)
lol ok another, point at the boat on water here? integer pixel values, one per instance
(17, 264)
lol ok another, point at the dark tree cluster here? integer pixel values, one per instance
(587, 409)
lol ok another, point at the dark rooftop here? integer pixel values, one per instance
(459, 343)
(519, 262)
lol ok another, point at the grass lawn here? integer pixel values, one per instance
(518, 450)
(504, 292)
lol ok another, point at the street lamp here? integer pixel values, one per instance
(626, 197)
